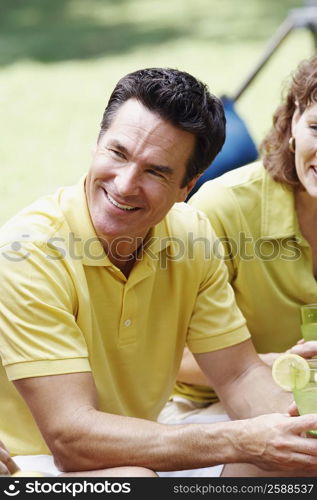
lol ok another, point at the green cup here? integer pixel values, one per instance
(309, 321)
(306, 397)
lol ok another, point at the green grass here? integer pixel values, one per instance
(60, 59)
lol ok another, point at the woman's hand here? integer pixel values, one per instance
(305, 349)
(7, 464)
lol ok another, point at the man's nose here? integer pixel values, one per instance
(127, 180)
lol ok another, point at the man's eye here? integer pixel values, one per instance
(313, 126)
(117, 153)
(156, 173)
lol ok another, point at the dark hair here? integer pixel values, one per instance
(277, 157)
(180, 99)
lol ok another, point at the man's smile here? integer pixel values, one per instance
(127, 208)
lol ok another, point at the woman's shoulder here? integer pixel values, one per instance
(239, 187)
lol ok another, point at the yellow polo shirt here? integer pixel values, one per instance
(65, 308)
(269, 261)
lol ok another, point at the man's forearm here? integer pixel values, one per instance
(112, 441)
(99, 440)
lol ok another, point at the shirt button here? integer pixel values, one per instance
(127, 322)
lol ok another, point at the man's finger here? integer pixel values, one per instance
(304, 423)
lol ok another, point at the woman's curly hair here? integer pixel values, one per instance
(301, 92)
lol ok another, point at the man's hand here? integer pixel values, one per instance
(275, 442)
(7, 464)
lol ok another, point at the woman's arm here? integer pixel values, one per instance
(190, 373)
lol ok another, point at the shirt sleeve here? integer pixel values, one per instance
(38, 331)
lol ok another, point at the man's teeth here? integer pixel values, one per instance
(116, 204)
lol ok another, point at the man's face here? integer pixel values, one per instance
(136, 172)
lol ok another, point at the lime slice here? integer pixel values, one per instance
(290, 372)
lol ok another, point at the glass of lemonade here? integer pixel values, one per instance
(306, 397)
(309, 321)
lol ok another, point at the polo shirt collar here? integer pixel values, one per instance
(159, 238)
(85, 240)
(278, 219)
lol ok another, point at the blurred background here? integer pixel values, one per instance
(60, 59)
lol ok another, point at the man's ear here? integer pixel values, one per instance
(186, 190)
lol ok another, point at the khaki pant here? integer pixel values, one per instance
(178, 410)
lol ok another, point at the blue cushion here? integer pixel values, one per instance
(238, 149)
